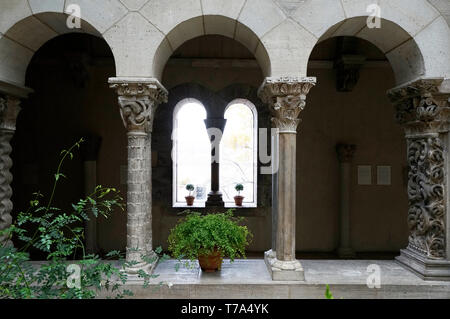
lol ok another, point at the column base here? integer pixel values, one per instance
(215, 200)
(346, 253)
(425, 268)
(281, 270)
(133, 271)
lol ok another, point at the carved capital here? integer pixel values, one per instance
(421, 106)
(345, 152)
(138, 100)
(9, 110)
(286, 97)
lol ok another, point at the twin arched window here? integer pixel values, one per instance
(191, 153)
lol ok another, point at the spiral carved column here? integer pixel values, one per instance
(286, 98)
(9, 109)
(423, 109)
(138, 100)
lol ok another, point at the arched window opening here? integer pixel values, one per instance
(238, 163)
(191, 152)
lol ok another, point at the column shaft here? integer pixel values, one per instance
(215, 128)
(286, 225)
(137, 196)
(9, 110)
(90, 182)
(345, 170)
(6, 178)
(345, 154)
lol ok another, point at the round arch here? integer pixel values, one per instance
(398, 46)
(20, 39)
(254, 113)
(201, 144)
(208, 25)
(416, 45)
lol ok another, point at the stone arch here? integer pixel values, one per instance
(416, 46)
(235, 19)
(28, 24)
(399, 47)
(199, 26)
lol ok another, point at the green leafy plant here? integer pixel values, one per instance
(190, 189)
(59, 235)
(239, 188)
(328, 294)
(196, 235)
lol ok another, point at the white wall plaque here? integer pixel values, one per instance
(364, 175)
(383, 175)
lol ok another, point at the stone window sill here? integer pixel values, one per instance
(202, 205)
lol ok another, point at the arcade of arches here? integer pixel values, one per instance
(362, 118)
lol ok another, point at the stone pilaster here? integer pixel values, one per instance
(286, 98)
(345, 154)
(138, 100)
(9, 110)
(423, 109)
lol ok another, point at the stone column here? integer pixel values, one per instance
(9, 110)
(275, 156)
(345, 154)
(215, 127)
(89, 151)
(138, 100)
(423, 109)
(286, 98)
(10, 96)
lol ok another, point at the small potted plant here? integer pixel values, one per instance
(190, 198)
(209, 238)
(238, 198)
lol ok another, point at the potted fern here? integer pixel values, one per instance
(209, 238)
(190, 198)
(238, 198)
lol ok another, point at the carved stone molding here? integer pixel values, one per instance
(426, 189)
(286, 97)
(345, 152)
(138, 100)
(421, 107)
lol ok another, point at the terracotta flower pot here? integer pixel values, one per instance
(189, 200)
(238, 200)
(211, 262)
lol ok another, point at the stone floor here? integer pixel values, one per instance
(250, 279)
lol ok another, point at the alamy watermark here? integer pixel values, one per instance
(268, 158)
(374, 278)
(74, 280)
(74, 19)
(374, 18)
